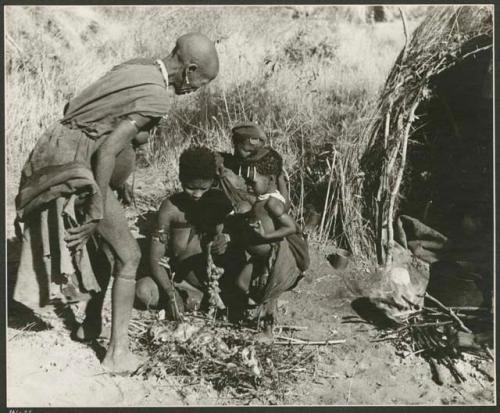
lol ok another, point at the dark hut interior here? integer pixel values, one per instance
(449, 177)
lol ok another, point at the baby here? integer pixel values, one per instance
(272, 265)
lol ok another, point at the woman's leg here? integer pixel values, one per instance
(114, 229)
(240, 294)
(244, 278)
(267, 318)
(102, 265)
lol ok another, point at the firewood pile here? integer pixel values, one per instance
(437, 333)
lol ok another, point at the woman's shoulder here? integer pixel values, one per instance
(136, 61)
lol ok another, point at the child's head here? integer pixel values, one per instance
(197, 171)
(247, 139)
(211, 211)
(261, 175)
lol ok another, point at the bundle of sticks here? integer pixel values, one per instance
(433, 333)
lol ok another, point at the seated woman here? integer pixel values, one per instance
(186, 220)
(249, 142)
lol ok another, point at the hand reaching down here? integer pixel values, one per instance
(77, 237)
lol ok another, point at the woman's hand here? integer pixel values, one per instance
(219, 244)
(173, 306)
(77, 237)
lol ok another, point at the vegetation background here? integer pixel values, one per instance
(309, 75)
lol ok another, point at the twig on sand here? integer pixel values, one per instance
(435, 324)
(350, 381)
(298, 328)
(414, 353)
(25, 329)
(139, 323)
(449, 311)
(295, 341)
(298, 340)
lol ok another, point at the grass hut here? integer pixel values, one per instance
(429, 148)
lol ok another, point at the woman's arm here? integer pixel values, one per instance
(117, 141)
(105, 159)
(159, 244)
(158, 248)
(286, 225)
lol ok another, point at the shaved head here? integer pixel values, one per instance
(195, 48)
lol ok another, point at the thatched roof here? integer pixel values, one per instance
(443, 39)
(447, 36)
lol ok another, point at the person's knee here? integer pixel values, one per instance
(145, 292)
(242, 284)
(142, 290)
(129, 262)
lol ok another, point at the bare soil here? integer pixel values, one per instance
(46, 368)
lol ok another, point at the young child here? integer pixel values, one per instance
(249, 142)
(183, 220)
(272, 264)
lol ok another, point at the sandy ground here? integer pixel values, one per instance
(46, 368)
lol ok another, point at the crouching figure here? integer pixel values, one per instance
(188, 222)
(277, 255)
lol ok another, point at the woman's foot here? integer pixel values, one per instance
(266, 336)
(121, 361)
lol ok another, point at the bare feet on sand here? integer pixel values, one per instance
(121, 362)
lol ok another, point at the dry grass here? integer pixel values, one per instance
(310, 81)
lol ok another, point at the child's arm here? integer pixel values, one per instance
(286, 225)
(159, 244)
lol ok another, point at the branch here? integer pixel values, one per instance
(481, 49)
(405, 30)
(298, 342)
(395, 190)
(449, 311)
(13, 43)
(330, 180)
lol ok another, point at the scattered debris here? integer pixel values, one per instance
(229, 358)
